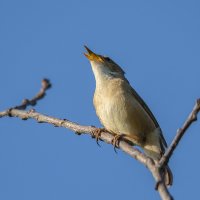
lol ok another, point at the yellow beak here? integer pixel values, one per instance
(92, 56)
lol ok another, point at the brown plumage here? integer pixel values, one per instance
(122, 111)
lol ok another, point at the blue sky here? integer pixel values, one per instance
(158, 45)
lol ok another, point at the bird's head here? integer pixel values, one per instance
(102, 65)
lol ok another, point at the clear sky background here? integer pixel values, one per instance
(158, 45)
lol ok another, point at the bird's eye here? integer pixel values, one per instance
(107, 58)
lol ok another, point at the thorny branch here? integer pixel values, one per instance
(19, 111)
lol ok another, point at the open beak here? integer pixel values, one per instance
(92, 56)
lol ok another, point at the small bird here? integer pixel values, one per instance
(123, 112)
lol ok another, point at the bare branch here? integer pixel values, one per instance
(191, 118)
(105, 136)
(124, 145)
(32, 102)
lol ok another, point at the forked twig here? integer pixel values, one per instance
(19, 111)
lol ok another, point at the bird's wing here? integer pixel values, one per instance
(146, 108)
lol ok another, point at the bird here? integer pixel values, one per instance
(123, 112)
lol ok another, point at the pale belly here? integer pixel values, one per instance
(123, 115)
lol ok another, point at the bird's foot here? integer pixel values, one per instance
(97, 134)
(116, 140)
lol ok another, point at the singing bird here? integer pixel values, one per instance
(123, 112)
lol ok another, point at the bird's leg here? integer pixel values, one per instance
(97, 134)
(116, 140)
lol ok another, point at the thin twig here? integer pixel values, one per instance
(32, 102)
(191, 118)
(105, 136)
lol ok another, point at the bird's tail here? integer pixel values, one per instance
(154, 147)
(166, 173)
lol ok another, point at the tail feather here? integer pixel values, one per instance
(167, 173)
(154, 147)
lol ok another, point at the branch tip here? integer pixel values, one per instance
(46, 84)
(154, 167)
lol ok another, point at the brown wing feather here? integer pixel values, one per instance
(146, 108)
